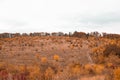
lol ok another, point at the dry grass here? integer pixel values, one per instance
(58, 58)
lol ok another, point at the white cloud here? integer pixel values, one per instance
(59, 15)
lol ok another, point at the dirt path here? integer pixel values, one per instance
(85, 53)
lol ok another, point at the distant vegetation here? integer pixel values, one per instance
(75, 34)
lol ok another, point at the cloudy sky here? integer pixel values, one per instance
(59, 15)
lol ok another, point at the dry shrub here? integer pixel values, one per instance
(109, 64)
(95, 50)
(34, 72)
(13, 69)
(56, 57)
(101, 59)
(112, 49)
(76, 69)
(113, 59)
(117, 74)
(70, 72)
(0, 47)
(43, 59)
(89, 69)
(49, 74)
(2, 66)
(37, 55)
(22, 68)
(71, 47)
(94, 68)
(98, 69)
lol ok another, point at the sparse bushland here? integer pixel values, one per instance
(59, 58)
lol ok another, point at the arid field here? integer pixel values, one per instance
(59, 58)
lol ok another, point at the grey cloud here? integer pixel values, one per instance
(13, 23)
(101, 19)
(1, 1)
(88, 21)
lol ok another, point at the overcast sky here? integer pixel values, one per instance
(59, 15)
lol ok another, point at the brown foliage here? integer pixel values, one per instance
(112, 49)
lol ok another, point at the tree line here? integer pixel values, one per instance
(70, 34)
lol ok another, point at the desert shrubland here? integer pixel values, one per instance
(59, 57)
